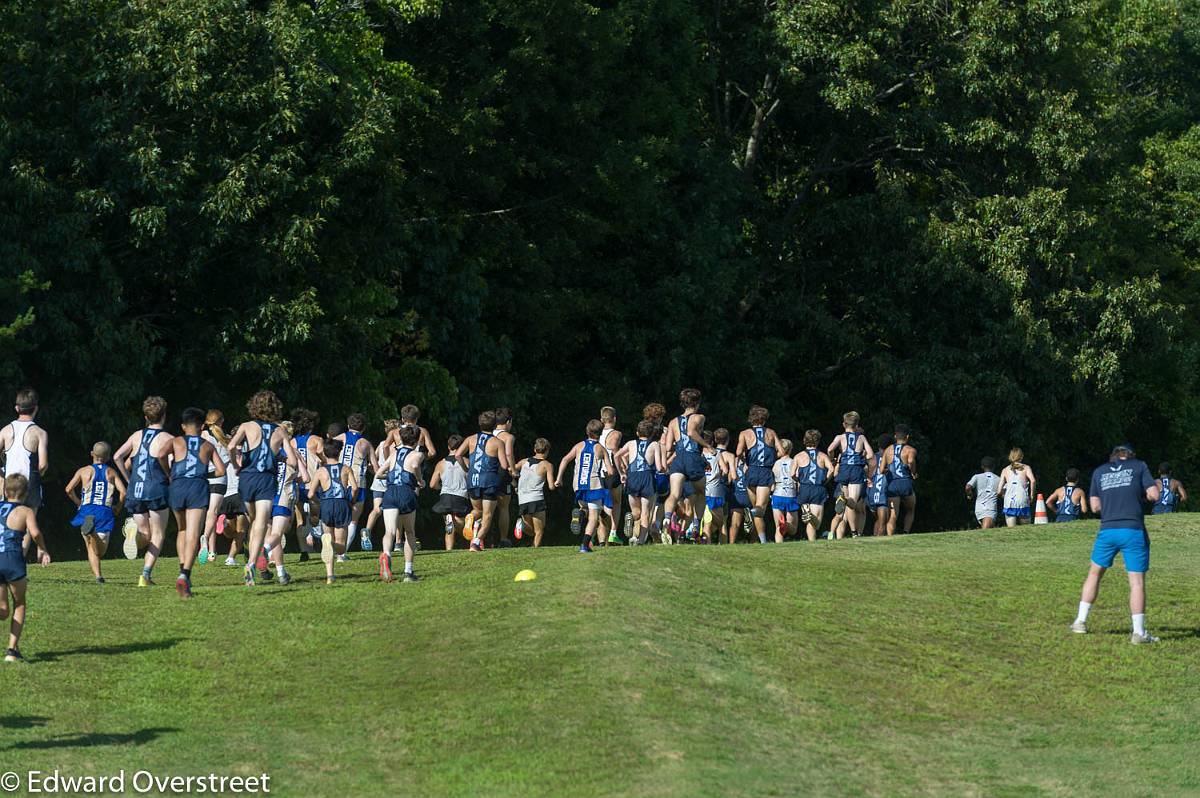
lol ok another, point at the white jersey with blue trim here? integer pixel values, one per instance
(714, 481)
(285, 482)
(587, 466)
(785, 485)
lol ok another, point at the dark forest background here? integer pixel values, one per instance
(979, 218)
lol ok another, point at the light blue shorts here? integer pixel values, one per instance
(1134, 545)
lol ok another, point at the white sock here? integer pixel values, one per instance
(279, 570)
(352, 530)
(408, 567)
(1139, 623)
(1084, 609)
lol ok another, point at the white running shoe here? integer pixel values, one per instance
(1079, 628)
(129, 530)
(230, 561)
(1142, 639)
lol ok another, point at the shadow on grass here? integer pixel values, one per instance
(1164, 632)
(22, 721)
(126, 648)
(91, 740)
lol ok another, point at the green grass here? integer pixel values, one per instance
(934, 664)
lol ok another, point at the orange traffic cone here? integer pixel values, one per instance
(1039, 512)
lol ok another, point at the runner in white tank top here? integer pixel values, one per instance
(610, 439)
(25, 447)
(450, 479)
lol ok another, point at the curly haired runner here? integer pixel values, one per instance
(142, 461)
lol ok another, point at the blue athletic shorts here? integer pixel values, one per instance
(851, 475)
(899, 487)
(690, 464)
(400, 497)
(190, 493)
(1017, 512)
(12, 566)
(1134, 545)
(740, 500)
(640, 484)
(759, 477)
(104, 519)
(257, 486)
(714, 502)
(279, 511)
(812, 494)
(785, 504)
(335, 513)
(140, 506)
(1159, 509)
(590, 497)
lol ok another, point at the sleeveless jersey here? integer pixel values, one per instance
(484, 467)
(531, 485)
(336, 489)
(285, 483)
(10, 539)
(97, 492)
(221, 453)
(639, 463)
(850, 455)
(352, 459)
(587, 467)
(190, 466)
(898, 469)
(604, 433)
(714, 482)
(18, 459)
(301, 442)
(454, 479)
(813, 474)
(1068, 508)
(1167, 497)
(760, 454)
(1016, 492)
(685, 444)
(262, 458)
(785, 486)
(147, 471)
(396, 474)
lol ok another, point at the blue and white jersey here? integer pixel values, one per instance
(148, 479)
(739, 484)
(190, 467)
(262, 458)
(10, 539)
(1068, 509)
(879, 484)
(760, 454)
(352, 459)
(285, 483)
(396, 474)
(336, 489)
(813, 473)
(898, 469)
(301, 442)
(785, 485)
(97, 492)
(484, 467)
(714, 481)
(587, 466)
(1166, 497)
(685, 444)
(850, 455)
(639, 463)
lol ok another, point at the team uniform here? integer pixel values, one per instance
(812, 478)
(588, 487)
(189, 478)
(760, 459)
(531, 487)
(715, 487)
(148, 483)
(1067, 509)
(301, 442)
(1167, 500)
(877, 489)
(609, 481)
(217, 485)
(379, 484)
(335, 499)
(232, 505)
(453, 497)
(986, 486)
(688, 460)
(783, 495)
(739, 494)
(12, 558)
(852, 463)
(357, 464)
(641, 478)
(1122, 527)
(96, 503)
(401, 491)
(485, 470)
(1016, 496)
(257, 480)
(19, 460)
(900, 481)
(285, 489)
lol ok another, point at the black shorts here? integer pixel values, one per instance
(486, 493)
(611, 481)
(533, 508)
(232, 506)
(141, 506)
(454, 505)
(216, 488)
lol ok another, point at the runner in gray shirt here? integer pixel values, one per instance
(985, 487)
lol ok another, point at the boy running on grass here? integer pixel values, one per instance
(877, 498)
(641, 461)
(390, 441)
(450, 480)
(719, 470)
(534, 476)
(257, 468)
(587, 455)
(985, 488)
(610, 438)
(92, 490)
(402, 467)
(852, 450)
(784, 500)
(1171, 491)
(290, 472)
(188, 492)
(16, 519)
(141, 463)
(1118, 488)
(685, 434)
(759, 447)
(900, 461)
(333, 484)
(503, 432)
(1068, 503)
(488, 458)
(358, 455)
(26, 449)
(811, 469)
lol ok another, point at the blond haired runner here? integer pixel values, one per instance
(1017, 484)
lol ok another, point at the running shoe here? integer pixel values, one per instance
(304, 556)
(385, 568)
(329, 580)
(221, 524)
(576, 518)
(364, 540)
(585, 548)
(781, 523)
(450, 523)
(129, 530)
(839, 506)
(1079, 628)
(99, 580)
(248, 576)
(411, 577)
(13, 655)
(665, 536)
(183, 588)
(230, 561)
(343, 558)
(285, 579)
(1142, 639)
(261, 562)
(89, 523)
(203, 558)
(476, 545)
(747, 524)
(145, 581)
(629, 526)
(806, 515)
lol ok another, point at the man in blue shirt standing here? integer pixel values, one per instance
(1118, 489)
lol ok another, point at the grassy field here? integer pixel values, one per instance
(934, 664)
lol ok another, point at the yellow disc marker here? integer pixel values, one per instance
(525, 576)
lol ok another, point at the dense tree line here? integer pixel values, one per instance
(976, 217)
